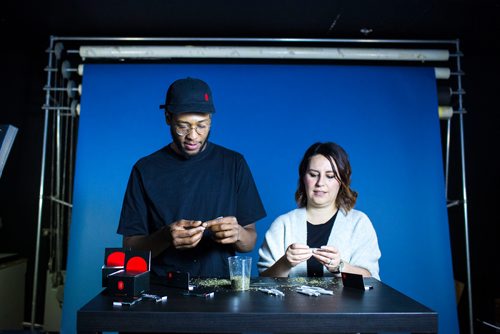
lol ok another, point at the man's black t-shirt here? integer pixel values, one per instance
(165, 187)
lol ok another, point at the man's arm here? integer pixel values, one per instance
(156, 242)
(246, 239)
(226, 230)
(182, 234)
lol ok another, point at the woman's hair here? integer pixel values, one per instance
(346, 198)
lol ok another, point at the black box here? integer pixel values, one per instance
(354, 281)
(114, 260)
(128, 284)
(177, 279)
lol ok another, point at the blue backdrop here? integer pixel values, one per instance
(385, 117)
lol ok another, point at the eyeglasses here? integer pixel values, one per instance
(185, 129)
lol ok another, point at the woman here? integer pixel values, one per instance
(325, 235)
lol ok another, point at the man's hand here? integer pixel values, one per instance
(226, 230)
(186, 233)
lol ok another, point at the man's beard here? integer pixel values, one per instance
(180, 147)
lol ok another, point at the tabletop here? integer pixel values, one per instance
(381, 309)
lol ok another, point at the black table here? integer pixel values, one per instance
(382, 309)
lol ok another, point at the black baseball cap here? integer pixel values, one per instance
(189, 95)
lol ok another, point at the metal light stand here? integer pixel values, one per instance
(61, 111)
(461, 112)
(452, 203)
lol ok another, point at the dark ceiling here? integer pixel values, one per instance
(410, 19)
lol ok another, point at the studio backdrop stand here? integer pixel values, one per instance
(67, 57)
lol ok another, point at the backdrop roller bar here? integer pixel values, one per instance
(444, 95)
(74, 108)
(166, 52)
(66, 69)
(442, 72)
(445, 112)
(71, 89)
(57, 50)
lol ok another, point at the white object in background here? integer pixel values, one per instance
(445, 112)
(12, 278)
(7, 135)
(442, 72)
(54, 295)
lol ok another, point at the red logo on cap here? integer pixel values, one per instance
(206, 97)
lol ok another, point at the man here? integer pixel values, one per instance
(192, 203)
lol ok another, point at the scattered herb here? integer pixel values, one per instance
(290, 283)
(212, 282)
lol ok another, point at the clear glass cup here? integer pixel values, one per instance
(240, 271)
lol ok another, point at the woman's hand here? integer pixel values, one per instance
(297, 253)
(329, 256)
